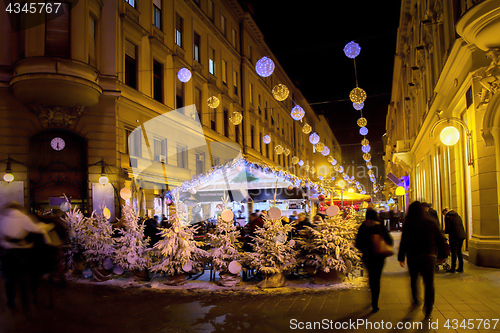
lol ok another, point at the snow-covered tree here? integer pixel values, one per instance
(273, 251)
(177, 252)
(225, 245)
(330, 245)
(131, 251)
(75, 223)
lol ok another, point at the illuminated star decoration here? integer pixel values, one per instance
(264, 67)
(352, 50)
(184, 75)
(363, 131)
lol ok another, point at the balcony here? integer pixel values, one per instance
(480, 25)
(55, 82)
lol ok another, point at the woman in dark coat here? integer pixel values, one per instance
(374, 263)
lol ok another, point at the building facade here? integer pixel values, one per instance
(446, 74)
(94, 91)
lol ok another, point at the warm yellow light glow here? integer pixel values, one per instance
(236, 118)
(213, 102)
(8, 177)
(306, 129)
(367, 157)
(320, 146)
(323, 170)
(103, 180)
(295, 160)
(287, 152)
(280, 92)
(341, 183)
(400, 190)
(357, 95)
(351, 190)
(278, 149)
(365, 142)
(362, 122)
(449, 136)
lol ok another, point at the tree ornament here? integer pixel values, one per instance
(306, 129)
(234, 267)
(236, 118)
(363, 131)
(295, 160)
(357, 95)
(227, 215)
(314, 138)
(301, 163)
(266, 139)
(352, 50)
(290, 187)
(367, 157)
(297, 113)
(320, 146)
(321, 197)
(358, 106)
(274, 213)
(332, 210)
(107, 264)
(278, 149)
(187, 267)
(184, 75)
(287, 152)
(125, 193)
(213, 102)
(365, 149)
(325, 151)
(280, 92)
(362, 122)
(117, 269)
(365, 142)
(264, 67)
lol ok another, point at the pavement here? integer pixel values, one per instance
(465, 302)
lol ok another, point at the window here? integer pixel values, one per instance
(468, 97)
(267, 151)
(157, 81)
(265, 112)
(200, 162)
(134, 140)
(215, 161)
(226, 123)
(157, 149)
(157, 13)
(197, 103)
(235, 82)
(213, 124)
(92, 39)
(133, 3)
(196, 39)
(223, 25)
(211, 9)
(179, 98)
(233, 37)
(182, 157)
(211, 61)
(224, 72)
(250, 53)
(179, 22)
(252, 137)
(130, 65)
(250, 93)
(57, 32)
(237, 133)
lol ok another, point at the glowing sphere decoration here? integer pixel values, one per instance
(103, 180)
(321, 197)
(306, 167)
(320, 177)
(301, 163)
(369, 165)
(297, 113)
(325, 151)
(337, 168)
(320, 147)
(264, 67)
(125, 193)
(295, 160)
(449, 136)
(370, 172)
(314, 138)
(287, 152)
(352, 49)
(278, 149)
(357, 95)
(306, 129)
(366, 149)
(358, 106)
(213, 102)
(266, 139)
(184, 75)
(332, 160)
(280, 92)
(367, 157)
(341, 183)
(341, 169)
(236, 118)
(362, 122)
(363, 131)
(365, 142)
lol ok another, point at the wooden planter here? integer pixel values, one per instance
(176, 279)
(332, 277)
(273, 281)
(228, 279)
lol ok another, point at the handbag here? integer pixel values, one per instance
(380, 246)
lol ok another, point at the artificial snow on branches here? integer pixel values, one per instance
(131, 247)
(75, 223)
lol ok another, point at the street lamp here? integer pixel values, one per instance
(450, 135)
(8, 176)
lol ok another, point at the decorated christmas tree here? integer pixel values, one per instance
(96, 238)
(131, 247)
(330, 245)
(75, 223)
(177, 252)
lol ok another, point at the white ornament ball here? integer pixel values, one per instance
(227, 215)
(131, 258)
(184, 75)
(125, 193)
(118, 270)
(274, 213)
(187, 267)
(264, 67)
(234, 267)
(291, 242)
(332, 210)
(107, 264)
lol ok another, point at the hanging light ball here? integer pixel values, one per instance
(264, 67)
(370, 172)
(301, 163)
(320, 147)
(8, 177)
(278, 149)
(313, 170)
(287, 152)
(365, 142)
(213, 102)
(266, 139)
(352, 49)
(366, 149)
(295, 160)
(280, 92)
(358, 106)
(325, 151)
(357, 95)
(337, 167)
(367, 157)
(341, 169)
(332, 160)
(369, 165)
(306, 129)
(363, 131)
(362, 122)
(184, 75)
(314, 138)
(297, 113)
(236, 118)
(306, 167)
(341, 183)
(103, 180)
(333, 178)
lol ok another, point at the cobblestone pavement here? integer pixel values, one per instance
(468, 302)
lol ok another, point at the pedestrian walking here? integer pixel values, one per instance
(454, 227)
(374, 262)
(420, 242)
(431, 213)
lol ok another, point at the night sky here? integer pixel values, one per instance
(308, 41)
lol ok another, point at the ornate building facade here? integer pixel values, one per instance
(95, 92)
(446, 74)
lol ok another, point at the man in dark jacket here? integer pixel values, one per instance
(454, 227)
(420, 241)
